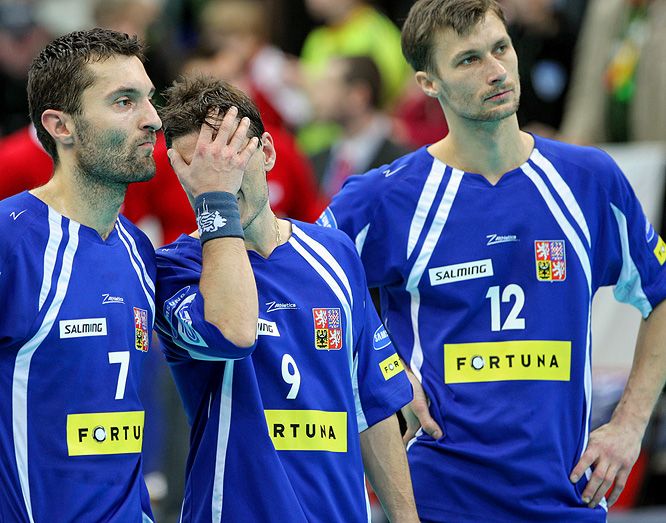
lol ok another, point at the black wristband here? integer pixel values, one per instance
(217, 216)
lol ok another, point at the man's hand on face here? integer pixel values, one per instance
(219, 159)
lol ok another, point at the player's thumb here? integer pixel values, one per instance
(176, 160)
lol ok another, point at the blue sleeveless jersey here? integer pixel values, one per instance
(275, 433)
(486, 292)
(77, 315)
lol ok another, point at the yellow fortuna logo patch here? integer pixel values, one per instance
(391, 366)
(307, 430)
(660, 251)
(105, 433)
(507, 360)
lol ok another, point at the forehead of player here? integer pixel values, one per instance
(451, 48)
(119, 76)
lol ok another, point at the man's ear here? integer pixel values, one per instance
(59, 125)
(427, 83)
(268, 150)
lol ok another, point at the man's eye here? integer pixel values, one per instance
(123, 102)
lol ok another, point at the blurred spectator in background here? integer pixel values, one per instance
(140, 17)
(544, 38)
(619, 80)
(21, 38)
(349, 95)
(351, 28)
(237, 33)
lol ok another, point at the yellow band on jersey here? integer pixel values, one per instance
(307, 430)
(105, 433)
(507, 360)
(391, 366)
(660, 251)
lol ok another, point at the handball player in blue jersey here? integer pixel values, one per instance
(487, 248)
(288, 378)
(77, 292)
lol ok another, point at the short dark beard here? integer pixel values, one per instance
(106, 158)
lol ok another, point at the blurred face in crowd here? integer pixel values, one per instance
(114, 133)
(330, 11)
(253, 194)
(477, 74)
(331, 97)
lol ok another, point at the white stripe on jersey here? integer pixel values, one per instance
(50, 254)
(425, 203)
(150, 282)
(360, 239)
(584, 259)
(422, 260)
(563, 190)
(24, 357)
(360, 415)
(337, 290)
(628, 288)
(223, 426)
(139, 267)
(327, 257)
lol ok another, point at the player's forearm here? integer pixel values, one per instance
(386, 466)
(648, 373)
(229, 290)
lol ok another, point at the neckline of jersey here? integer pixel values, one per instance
(84, 230)
(479, 179)
(254, 255)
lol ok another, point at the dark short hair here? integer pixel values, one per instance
(188, 102)
(58, 75)
(428, 17)
(363, 70)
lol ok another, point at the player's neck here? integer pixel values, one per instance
(77, 197)
(487, 148)
(266, 232)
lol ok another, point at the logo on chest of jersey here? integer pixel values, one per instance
(307, 430)
(107, 298)
(82, 328)
(391, 366)
(551, 260)
(267, 328)
(105, 433)
(461, 272)
(327, 329)
(541, 360)
(494, 239)
(275, 306)
(141, 329)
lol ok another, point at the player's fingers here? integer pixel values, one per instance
(596, 480)
(607, 482)
(585, 462)
(208, 126)
(431, 427)
(247, 152)
(239, 136)
(177, 163)
(227, 126)
(409, 434)
(422, 413)
(618, 487)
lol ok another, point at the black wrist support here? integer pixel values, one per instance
(217, 216)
